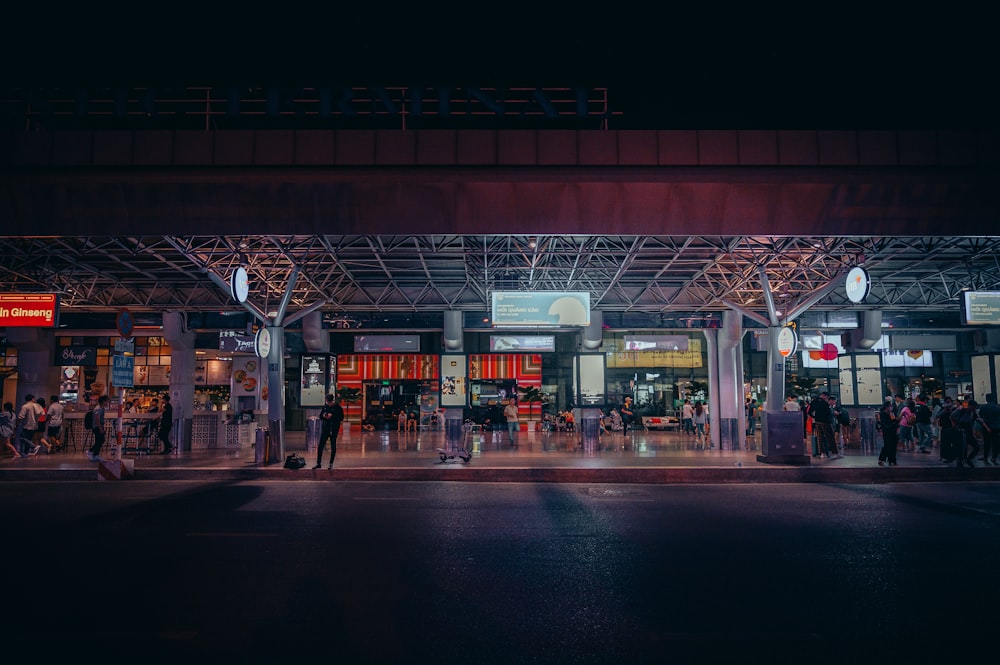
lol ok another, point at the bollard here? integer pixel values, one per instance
(590, 429)
(314, 428)
(260, 445)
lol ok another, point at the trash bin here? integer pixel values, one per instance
(313, 429)
(261, 441)
(590, 429)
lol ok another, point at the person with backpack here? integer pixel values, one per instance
(843, 423)
(97, 427)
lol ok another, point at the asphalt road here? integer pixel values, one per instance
(499, 572)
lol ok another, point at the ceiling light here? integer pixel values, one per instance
(532, 243)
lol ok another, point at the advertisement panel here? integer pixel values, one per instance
(522, 343)
(540, 308)
(313, 388)
(981, 308)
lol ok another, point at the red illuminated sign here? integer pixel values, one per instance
(22, 310)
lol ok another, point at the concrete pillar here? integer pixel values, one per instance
(729, 371)
(276, 393)
(36, 374)
(182, 361)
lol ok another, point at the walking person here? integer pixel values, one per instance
(97, 425)
(54, 423)
(510, 412)
(331, 416)
(27, 426)
(166, 423)
(890, 435)
(43, 418)
(700, 419)
(990, 416)
(8, 421)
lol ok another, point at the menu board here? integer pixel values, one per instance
(869, 379)
(847, 395)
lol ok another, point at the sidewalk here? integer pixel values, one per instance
(646, 457)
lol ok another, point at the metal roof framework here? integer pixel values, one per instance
(384, 274)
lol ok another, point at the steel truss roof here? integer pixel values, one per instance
(383, 274)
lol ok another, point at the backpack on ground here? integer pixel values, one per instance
(294, 461)
(88, 420)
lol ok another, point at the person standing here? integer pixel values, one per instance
(94, 454)
(890, 438)
(990, 415)
(922, 426)
(687, 417)
(791, 404)
(627, 415)
(331, 416)
(822, 415)
(964, 419)
(166, 422)
(513, 416)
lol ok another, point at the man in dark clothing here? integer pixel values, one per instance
(990, 414)
(922, 428)
(331, 416)
(166, 422)
(822, 415)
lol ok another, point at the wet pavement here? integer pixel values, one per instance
(645, 457)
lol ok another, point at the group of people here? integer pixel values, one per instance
(36, 426)
(957, 427)
(33, 427)
(694, 421)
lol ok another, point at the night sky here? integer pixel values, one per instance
(822, 66)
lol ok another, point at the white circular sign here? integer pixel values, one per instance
(857, 284)
(240, 284)
(262, 343)
(787, 341)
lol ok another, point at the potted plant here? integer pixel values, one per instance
(349, 396)
(531, 395)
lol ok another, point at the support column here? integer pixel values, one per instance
(182, 361)
(35, 357)
(712, 352)
(729, 370)
(781, 431)
(276, 394)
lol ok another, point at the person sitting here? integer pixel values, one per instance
(401, 418)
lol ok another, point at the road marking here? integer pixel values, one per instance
(232, 534)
